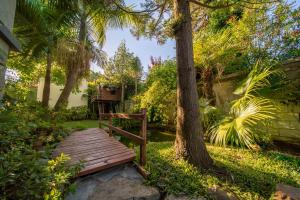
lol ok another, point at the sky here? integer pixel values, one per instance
(143, 48)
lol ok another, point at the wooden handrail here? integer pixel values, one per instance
(135, 138)
(141, 140)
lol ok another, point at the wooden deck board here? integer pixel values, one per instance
(95, 149)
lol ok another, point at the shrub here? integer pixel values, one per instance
(28, 133)
(125, 123)
(159, 96)
(75, 113)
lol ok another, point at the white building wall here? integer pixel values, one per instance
(75, 99)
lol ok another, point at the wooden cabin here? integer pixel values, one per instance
(107, 98)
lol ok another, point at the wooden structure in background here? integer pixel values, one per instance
(98, 150)
(107, 98)
(140, 140)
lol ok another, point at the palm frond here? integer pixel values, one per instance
(239, 128)
(256, 80)
(247, 113)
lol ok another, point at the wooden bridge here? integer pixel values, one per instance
(99, 150)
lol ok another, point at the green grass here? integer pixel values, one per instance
(254, 175)
(83, 124)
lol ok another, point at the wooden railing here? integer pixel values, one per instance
(138, 139)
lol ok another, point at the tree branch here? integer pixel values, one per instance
(243, 2)
(137, 12)
(213, 7)
(161, 13)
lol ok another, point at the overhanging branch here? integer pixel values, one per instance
(211, 6)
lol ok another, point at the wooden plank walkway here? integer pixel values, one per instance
(96, 149)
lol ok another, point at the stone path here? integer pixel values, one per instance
(118, 183)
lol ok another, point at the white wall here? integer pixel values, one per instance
(75, 99)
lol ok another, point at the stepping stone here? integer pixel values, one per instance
(286, 192)
(217, 193)
(119, 183)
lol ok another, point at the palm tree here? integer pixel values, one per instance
(215, 51)
(36, 26)
(89, 19)
(247, 113)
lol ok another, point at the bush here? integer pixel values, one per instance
(28, 134)
(159, 96)
(75, 113)
(125, 123)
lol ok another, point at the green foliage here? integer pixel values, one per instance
(248, 113)
(159, 96)
(234, 38)
(124, 67)
(74, 113)
(165, 73)
(253, 175)
(28, 134)
(210, 115)
(125, 123)
(224, 50)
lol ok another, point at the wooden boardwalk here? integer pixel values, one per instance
(96, 149)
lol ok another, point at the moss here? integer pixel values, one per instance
(253, 175)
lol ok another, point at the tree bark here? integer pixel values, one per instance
(189, 142)
(47, 83)
(208, 80)
(73, 72)
(63, 98)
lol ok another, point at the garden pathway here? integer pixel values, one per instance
(96, 149)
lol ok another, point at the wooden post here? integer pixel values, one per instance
(143, 150)
(110, 123)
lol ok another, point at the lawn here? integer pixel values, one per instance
(253, 175)
(82, 124)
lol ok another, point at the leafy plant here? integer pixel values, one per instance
(125, 123)
(251, 111)
(28, 134)
(210, 115)
(159, 96)
(75, 113)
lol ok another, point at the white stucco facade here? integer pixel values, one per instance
(75, 99)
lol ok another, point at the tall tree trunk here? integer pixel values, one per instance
(63, 98)
(123, 97)
(47, 83)
(73, 72)
(208, 80)
(189, 142)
